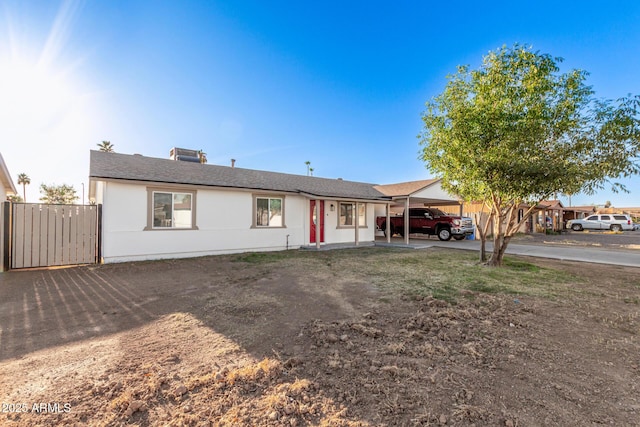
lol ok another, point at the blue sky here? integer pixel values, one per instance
(272, 84)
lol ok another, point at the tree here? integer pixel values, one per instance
(24, 180)
(16, 198)
(308, 163)
(516, 131)
(106, 146)
(58, 194)
(202, 156)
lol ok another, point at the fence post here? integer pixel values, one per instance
(5, 236)
(99, 259)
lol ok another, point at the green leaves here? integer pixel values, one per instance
(58, 194)
(517, 130)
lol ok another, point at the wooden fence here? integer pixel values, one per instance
(50, 235)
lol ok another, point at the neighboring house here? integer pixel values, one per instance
(547, 214)
(157, 208)
(7, 188)
(577, 212)
(551, 215)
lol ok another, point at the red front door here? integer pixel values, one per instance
(312, 237)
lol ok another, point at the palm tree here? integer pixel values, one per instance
(24, 180)
(203, 156)
(106, 147)
(308, 163)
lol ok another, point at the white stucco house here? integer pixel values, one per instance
(159, 208)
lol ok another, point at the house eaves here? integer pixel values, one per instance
(5, 178)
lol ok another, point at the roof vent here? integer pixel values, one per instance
(184, 155)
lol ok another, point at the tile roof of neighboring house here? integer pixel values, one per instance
(551, 204)
(149, 169)
(5, 178)
(404, 188)
(587, 208)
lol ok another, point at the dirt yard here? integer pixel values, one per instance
(362, 337)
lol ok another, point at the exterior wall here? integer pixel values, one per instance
(223, 220)
(434, 192)
(335, 234)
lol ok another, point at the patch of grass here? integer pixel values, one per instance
(517, 264)
(445, 274)
(446, 292)
(441, 273)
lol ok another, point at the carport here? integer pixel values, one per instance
(427, 193)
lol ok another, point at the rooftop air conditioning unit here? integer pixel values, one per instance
(184, 155)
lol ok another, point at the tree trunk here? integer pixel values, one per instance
(498, 238)
(503, 235)
(482, 232)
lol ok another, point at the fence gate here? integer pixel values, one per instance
(47, 235)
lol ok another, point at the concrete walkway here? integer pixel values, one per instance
(563, 253)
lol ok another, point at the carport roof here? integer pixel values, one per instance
(154, 170)
(404, 189)
(427, 191)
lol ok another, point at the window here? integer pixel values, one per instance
(605, 218)
(269, 211)
(346, 218)
(170, 209)
(593, 218)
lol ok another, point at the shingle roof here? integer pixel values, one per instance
(404, 188)
(149, 169)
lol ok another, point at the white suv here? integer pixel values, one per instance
(613, 222)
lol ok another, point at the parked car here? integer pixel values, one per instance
(429, 221)
(615, 222)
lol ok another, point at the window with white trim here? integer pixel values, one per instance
(269, 211)
(172, 210)
(347, 213)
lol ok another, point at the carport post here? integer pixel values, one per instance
(318, 222)
(387, 224)
(357, 225)
(406, 221)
